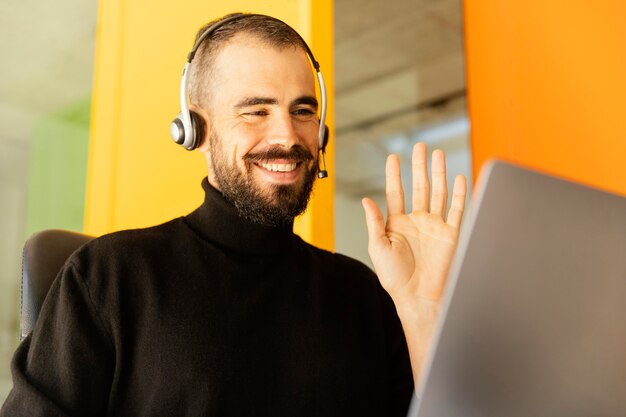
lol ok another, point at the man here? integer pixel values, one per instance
(226, 311)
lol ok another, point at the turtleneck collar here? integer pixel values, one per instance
(218, 221)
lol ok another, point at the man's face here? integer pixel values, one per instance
(263, 129)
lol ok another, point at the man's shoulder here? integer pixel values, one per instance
(349, 263)
(341, 262)
(130, 243)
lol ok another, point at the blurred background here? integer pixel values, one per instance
(398, 79)
(46, 71)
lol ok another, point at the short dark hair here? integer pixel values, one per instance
(268, 29)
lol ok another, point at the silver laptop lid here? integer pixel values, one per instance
(534, 319)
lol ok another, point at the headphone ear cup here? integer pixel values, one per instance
(198, 127)
(177, 131)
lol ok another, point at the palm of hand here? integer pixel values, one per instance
(412, 252)
(417, 256)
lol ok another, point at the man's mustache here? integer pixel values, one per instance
(296, 153)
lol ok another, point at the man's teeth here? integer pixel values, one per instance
(279, 167)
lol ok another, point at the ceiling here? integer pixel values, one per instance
(399, 73)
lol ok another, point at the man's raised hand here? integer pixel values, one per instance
(412, 252)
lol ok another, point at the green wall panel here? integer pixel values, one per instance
(58, 170)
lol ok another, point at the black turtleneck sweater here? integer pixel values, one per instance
(207, 315)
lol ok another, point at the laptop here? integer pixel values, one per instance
(533, 322)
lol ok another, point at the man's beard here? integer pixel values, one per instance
(275, 205)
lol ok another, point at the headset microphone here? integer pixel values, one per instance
(323, 173)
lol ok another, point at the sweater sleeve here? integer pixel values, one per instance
(65, 367)
(401, 374)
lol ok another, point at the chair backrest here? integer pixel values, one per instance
(43, 257)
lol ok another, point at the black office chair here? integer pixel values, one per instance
(43, 256)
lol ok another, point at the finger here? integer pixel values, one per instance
(421, 185)
(395, 194)
(375, 223)
(457, 206)
(439, 193)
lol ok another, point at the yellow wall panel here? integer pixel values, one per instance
(137, 176)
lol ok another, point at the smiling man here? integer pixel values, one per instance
(262, 145)
(258, 101)
(226, 312)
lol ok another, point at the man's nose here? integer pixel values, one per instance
(283, 130)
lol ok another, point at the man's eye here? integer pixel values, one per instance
(303, 112)
(257, 113)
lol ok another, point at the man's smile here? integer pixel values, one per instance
(278, 167)
(279, 171)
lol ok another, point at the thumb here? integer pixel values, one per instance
(375, 222)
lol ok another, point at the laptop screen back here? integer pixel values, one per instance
(534, 320)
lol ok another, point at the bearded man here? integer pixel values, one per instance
(226, 312)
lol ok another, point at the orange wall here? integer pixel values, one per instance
(547, 86)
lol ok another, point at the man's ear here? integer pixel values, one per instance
(204, 117)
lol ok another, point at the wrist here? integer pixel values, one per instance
(417, 310)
